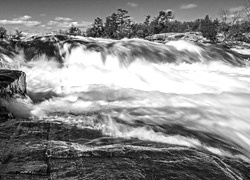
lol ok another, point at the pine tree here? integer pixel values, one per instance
(209, 28)
(97, 29)
(74, 31)
(118, 25)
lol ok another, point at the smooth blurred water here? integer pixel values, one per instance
(132, 98)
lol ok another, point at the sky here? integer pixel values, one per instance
(52, 15)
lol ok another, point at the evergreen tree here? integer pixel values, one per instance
(161, 22)
(124, 24)
(110, 29)
(209, 28)
(75, 31)
(97, 29)
(118, 25)
(141, 30)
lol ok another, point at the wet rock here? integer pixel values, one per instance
(4, 114)
(12, 82)
(46, 149)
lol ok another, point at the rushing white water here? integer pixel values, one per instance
(209, 97)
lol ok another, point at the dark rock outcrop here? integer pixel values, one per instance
(46, 149)
(11, 82)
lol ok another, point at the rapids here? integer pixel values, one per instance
(144, 90)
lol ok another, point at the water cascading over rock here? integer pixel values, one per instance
(127, 109)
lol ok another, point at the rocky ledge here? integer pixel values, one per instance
(12, 82)
(196, 37)
(52, 149)
(165, 37)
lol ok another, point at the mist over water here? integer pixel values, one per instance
(138, 94)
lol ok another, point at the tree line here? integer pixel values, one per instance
(232, 25)
(119, 25)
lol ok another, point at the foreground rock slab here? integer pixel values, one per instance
(43, 149)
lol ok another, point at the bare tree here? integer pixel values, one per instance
(246, 10)
(224, 15)
(236, 16)
(233, 16)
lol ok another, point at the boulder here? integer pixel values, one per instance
(12, 82)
